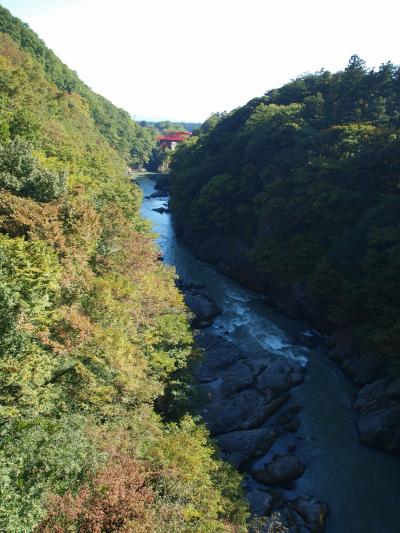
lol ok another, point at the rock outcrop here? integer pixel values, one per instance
(242, 398)
(203, 308)
(279, 471)
(240, 446)
(378, 405)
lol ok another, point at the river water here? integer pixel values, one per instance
(360, 485)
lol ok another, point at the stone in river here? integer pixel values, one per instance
(285, 521)
(227, 381)
(219, 354)
(202, 307)
(281, 375)
(260, 502)
(379, 415)
(312, 511)
(240, 446)
(279, 471)
(245, 410)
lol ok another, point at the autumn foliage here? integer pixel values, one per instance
(118, 499)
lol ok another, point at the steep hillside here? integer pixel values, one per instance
(92, 328)
(297, 194)
(132, 141)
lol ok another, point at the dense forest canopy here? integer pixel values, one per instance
(308, 177)
(92, 328)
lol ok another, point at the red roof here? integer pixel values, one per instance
(174, 137)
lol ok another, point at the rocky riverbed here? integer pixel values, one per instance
(248, 408)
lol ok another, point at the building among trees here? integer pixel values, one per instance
(170, 140)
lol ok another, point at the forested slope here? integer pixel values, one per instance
(92, 328)
(300, 189)
(132, 141)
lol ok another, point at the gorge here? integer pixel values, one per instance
(358, 483)
(172, 346)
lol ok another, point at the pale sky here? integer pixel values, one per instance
(184, 59)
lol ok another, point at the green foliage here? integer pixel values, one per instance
(21, 173)
(307, 177)
(131, 140)
(38, 456)
(207, 489)
(166, 126)
(29, 287)
(92, 328)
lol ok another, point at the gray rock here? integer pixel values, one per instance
(202, 307)
(309, 338)
(362, 368)
(245, 410)
(279, 471)
(312, 511)
(371, 393)
(218, 356)
(240, 446)
(228, 381)
(260, 502)
(379, 415)
(380, 427)
(280, 375)
(285, 521)
(258, 363)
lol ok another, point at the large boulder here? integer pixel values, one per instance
(245, 410)
(228, 381)
(260, 502)
(361, 368)
(281, 375)
(284, 521)
(239, 446)
(203, 308)
(312, 511)
(378, 423)
(218, 355)
(279, 471)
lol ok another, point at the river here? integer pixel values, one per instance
(360, 485)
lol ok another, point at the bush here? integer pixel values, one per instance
(38, 456)
(21, 173)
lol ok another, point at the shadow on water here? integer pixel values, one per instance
(361, 485)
